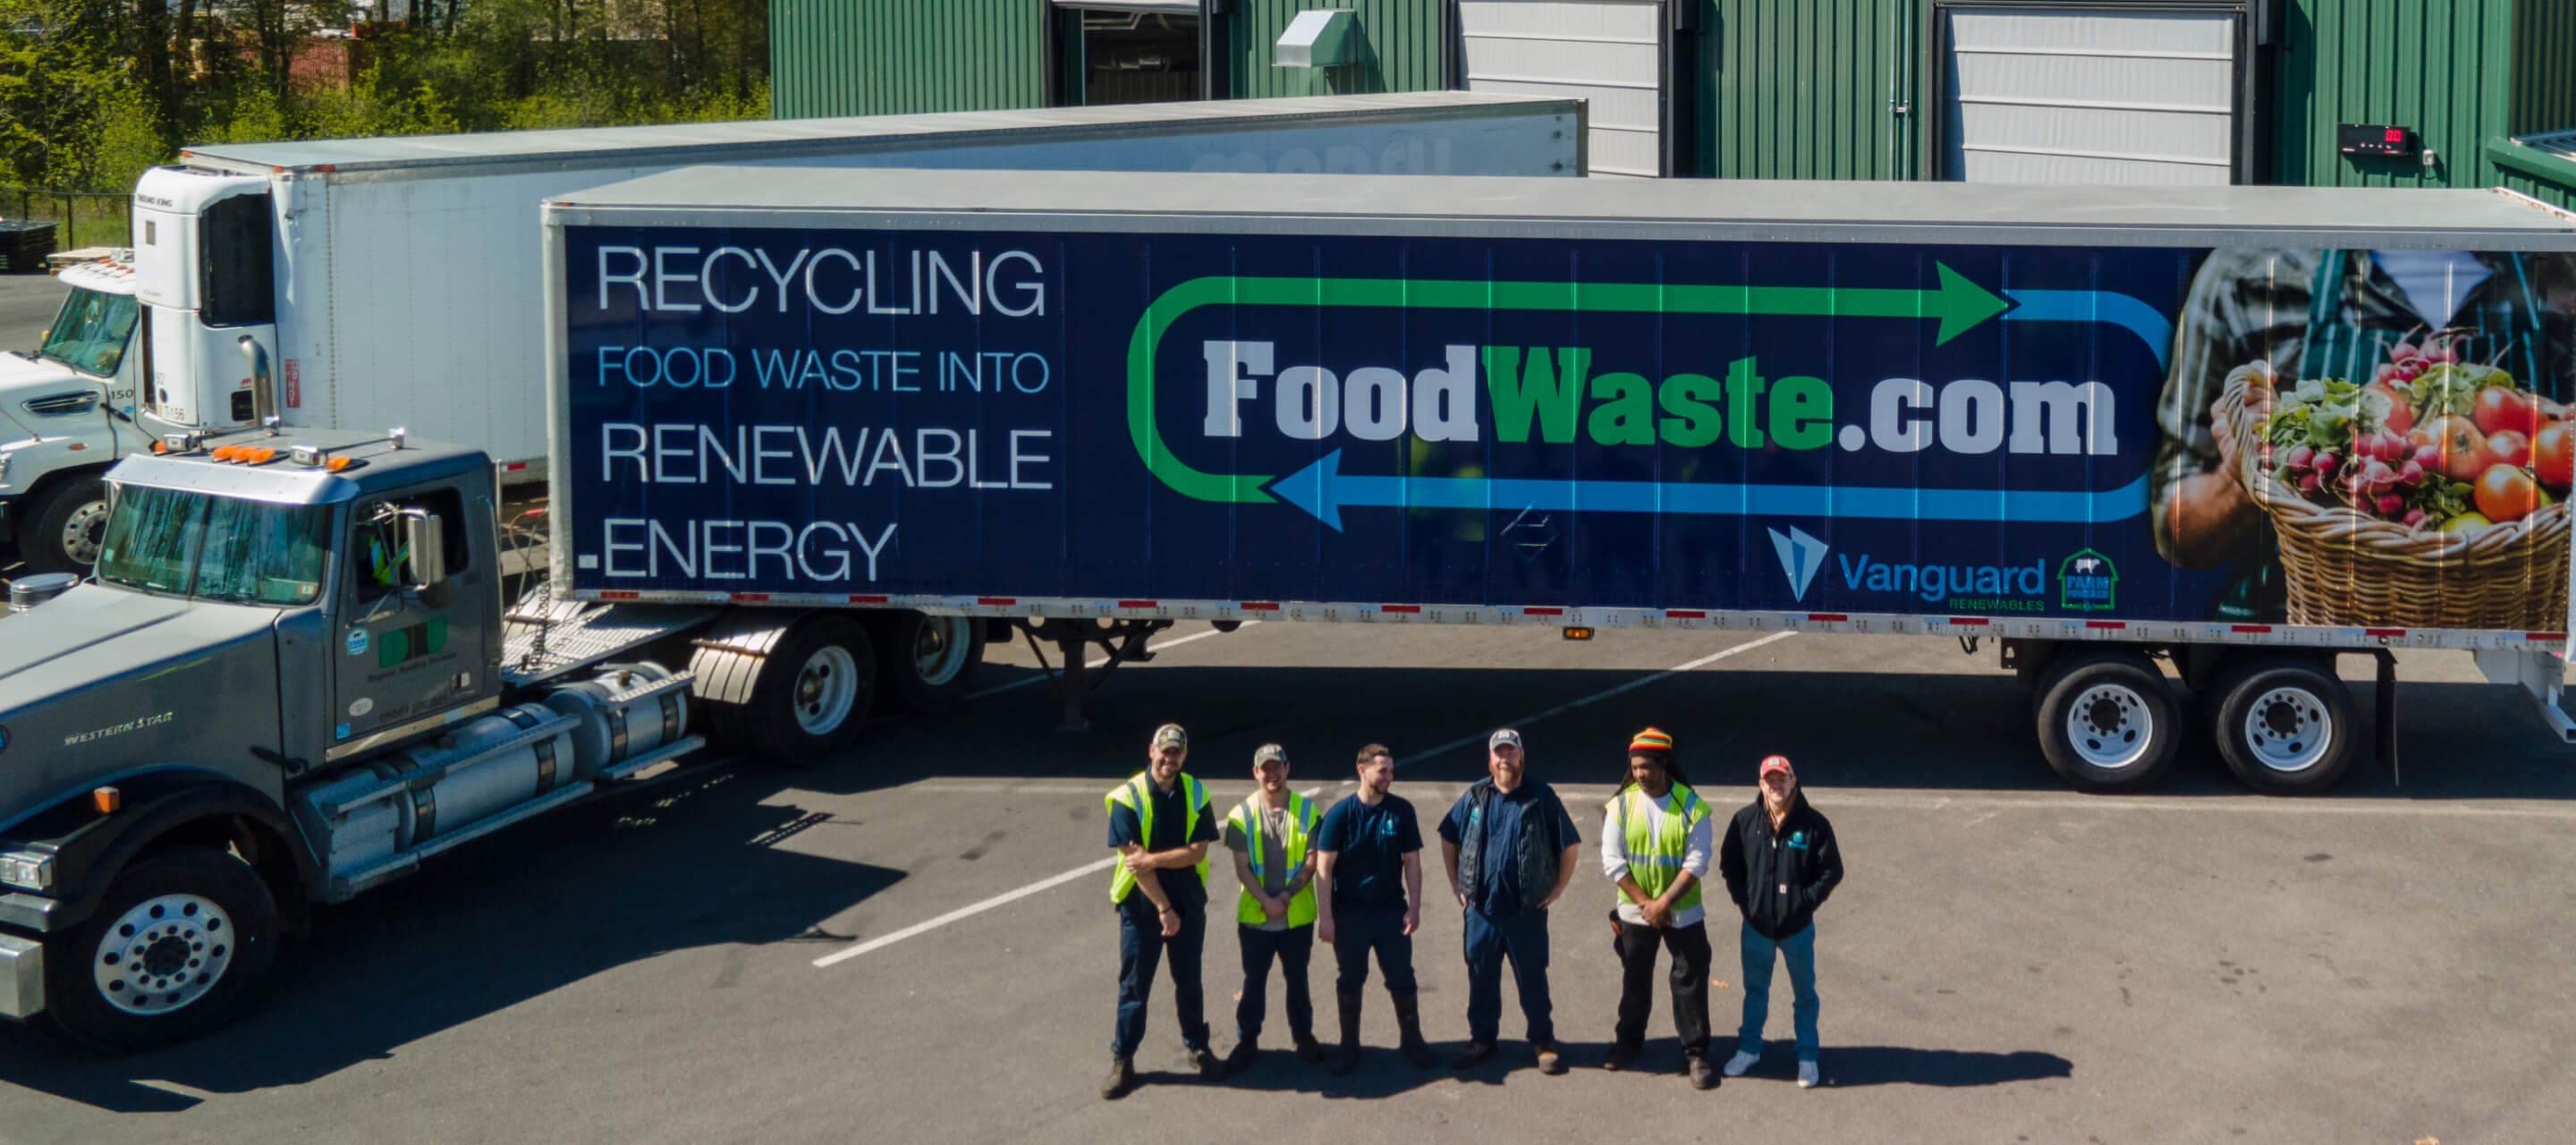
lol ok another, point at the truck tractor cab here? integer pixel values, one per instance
(205, 247)
(265, 611)
(66, 414)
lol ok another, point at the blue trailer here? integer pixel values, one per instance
(2245, 430)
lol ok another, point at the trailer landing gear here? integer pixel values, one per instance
(1123, 641)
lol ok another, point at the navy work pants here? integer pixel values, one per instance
(1520, 939)
(1293, 948)
(1356, 934)
(1140, 945)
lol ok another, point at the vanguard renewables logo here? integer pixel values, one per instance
(2085, 581)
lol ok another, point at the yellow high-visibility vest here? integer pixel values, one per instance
(1131, 794)
(1302, 821)
(1655, 849)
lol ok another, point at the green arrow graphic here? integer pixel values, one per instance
(1957, 303)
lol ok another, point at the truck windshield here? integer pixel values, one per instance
(219, 548)
(91, 333)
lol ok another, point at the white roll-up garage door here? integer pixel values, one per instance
(2090, 96)
(1609, 52)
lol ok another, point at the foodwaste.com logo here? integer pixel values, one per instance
(1540, 394)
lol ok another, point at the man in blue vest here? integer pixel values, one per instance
(1271, 833)
(1160, 824)
(1369, 859)
(1510, 848)
(1655, 843)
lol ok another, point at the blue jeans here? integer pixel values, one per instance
(1799, 950)
(1140, 945)
(1292, 947)
(1358, 933)
(1521, 938)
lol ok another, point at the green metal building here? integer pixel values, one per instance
(2432, 93)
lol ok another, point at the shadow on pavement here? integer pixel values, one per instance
(1844, 1067)
(1969, 731)
(494, 924)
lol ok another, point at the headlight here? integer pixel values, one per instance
(27, 871)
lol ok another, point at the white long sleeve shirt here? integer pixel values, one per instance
(1695, 849)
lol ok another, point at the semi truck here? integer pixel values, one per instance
(1095, 406)
(393, 281)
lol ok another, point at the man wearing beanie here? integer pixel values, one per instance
(1780, 863)
(1654, 844)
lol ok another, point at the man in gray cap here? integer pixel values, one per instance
(1271, 834)
(1511, 849)
(1160, 825)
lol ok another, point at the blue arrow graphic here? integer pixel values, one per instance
(2121, 310)
(1322, 489)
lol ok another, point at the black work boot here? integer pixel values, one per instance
(1309, 1050)
(1408, 1023)
(1122, 1077)
(1241, 1059)
(1348, 1057)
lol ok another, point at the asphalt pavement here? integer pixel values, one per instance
(914, 942)
(28, 303)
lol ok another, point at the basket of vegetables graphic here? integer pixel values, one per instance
(2431, 496)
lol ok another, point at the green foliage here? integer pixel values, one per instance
(94, 91)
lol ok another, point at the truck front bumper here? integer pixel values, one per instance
(22, 977)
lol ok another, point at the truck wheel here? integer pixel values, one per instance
(2107, 722)
(179, 945)
(2285, 725)
(65, 529)
(813, 692)
(925, 663)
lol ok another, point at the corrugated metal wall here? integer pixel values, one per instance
(1802, 89)
(890, 57)
(1404, 47)
(2544, 67)
(2438, 66)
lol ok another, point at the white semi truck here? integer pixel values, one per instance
(395, 281)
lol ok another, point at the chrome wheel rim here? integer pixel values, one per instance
(2109, 727)
(826, 687)
(2288, 730)
(86, 532)
(164, 954)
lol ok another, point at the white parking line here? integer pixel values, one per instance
(1103, 662)
(971, 910)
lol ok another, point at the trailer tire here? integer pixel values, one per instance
(812, 694)
(198, 921)
(2107, 721)
(2285, 725)
(65, 527)
(925, 663)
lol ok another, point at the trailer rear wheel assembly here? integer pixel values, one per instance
(2285, 725)
(793, 695)
(2107, 721)
(925, 663)
(181, 943)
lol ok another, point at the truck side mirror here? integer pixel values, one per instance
(424, 539)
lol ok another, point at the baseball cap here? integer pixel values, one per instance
(1503, 736)
(1778, 763)
(1171, 735)
(1651, 739)
(1269, 753)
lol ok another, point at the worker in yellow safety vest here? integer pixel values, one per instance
(1655, 843)
(1275, 917)
(1160, 825)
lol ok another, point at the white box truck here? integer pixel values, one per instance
(394, 281)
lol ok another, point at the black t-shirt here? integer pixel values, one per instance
(1369, 845)
(1172, 828)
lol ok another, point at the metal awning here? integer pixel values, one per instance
(1165, 7)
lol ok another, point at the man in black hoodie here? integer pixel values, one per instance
(1780, 863)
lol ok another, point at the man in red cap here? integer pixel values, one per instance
(1780, 863)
